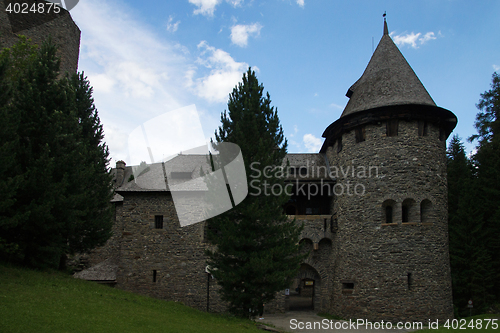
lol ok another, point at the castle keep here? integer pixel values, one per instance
(37, 27)
(378, 252)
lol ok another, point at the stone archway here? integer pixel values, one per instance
(304, 290)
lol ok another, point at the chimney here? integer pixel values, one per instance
(120, 173)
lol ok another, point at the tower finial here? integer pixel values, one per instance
(386, 29)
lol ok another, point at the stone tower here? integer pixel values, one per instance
(37, 27)
(392, 260)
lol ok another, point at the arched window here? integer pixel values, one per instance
(408, 213)
(388, 211)
(392, 127)
(306, 245)
(388, 214)
(425, 211)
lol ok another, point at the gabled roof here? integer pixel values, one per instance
(159, 177)
(387, 80)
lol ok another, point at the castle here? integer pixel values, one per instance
(375, 226)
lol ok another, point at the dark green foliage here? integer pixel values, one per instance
(474, 210)
(487, 120)
(471, 265)
(487, 165)
(257, 252)
(57, 180)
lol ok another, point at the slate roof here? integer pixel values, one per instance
(103, 271)
(314, 162)
(153, 179)
(387, 80)
(158, 176)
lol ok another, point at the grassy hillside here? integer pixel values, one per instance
(32, 301)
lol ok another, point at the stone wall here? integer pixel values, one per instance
(397, 271)
(64, 32)
(167, 263)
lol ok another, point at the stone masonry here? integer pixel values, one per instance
(38, 27)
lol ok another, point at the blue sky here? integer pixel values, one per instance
(148, 58)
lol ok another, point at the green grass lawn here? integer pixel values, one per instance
(32, 301)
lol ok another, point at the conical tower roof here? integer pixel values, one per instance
(387, 80)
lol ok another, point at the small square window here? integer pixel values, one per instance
(348, 285)
(158, 221)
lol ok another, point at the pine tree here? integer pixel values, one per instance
(256, 248)
(471, 266)
(59, 197)
(487, 163)
(90, 177)
(9, 182)
(459, 170)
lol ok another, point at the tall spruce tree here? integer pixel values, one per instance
(59, 197)
(91, 177)
(256, 251)
(487, 164)
(471, 266)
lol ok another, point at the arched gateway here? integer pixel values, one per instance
(305, 290)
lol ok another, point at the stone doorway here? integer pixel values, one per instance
(304, 290)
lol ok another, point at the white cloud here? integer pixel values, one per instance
(295, 131)
(136, 75)
(336, 106)
(116, 139)
(240, 33)
(412, 39)
(224, 74)
(207, 7)
(496, 68)
(235, 3)
(172, 27)
(312, 143)
(427, 37)
(300, 3)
